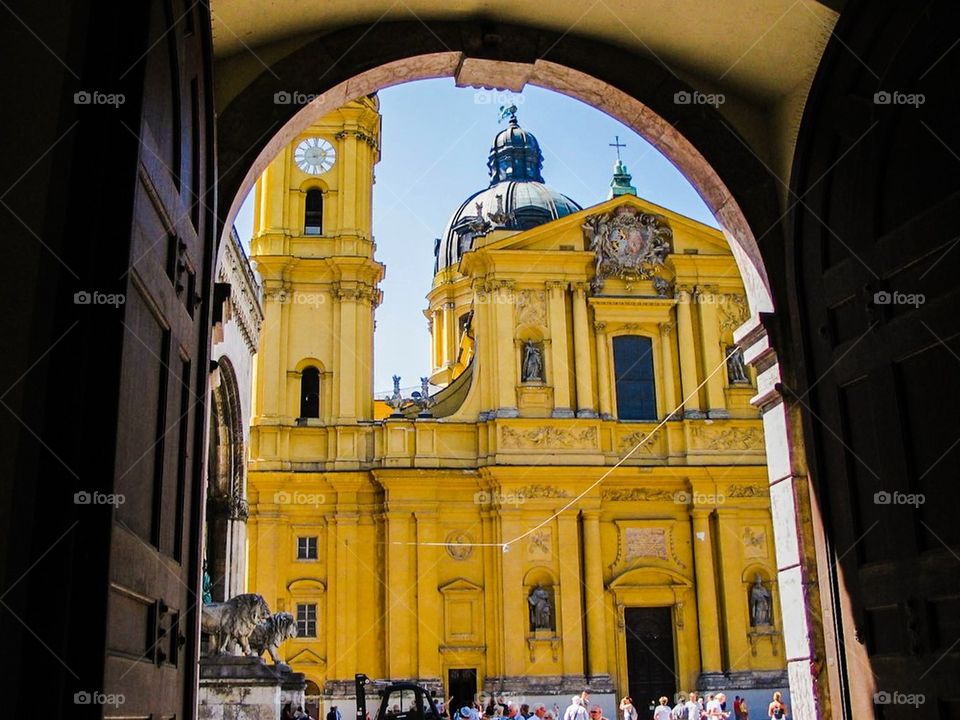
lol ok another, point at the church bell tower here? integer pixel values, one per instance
(313, 246)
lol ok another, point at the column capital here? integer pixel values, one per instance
(666, 329)
(555, 285)
(600, 327)
(580, 287)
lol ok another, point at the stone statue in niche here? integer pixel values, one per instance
(736, 372)
(532, 368)
(760, 609)
(541, 608)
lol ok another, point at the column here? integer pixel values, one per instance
(603, 371)
(347, 298)
(515, 609)
(345, 588)
(595, 596)
(570, 618)
(670, 398)
(559, 357)
(332, 610)
(688, 355)
(449, 334)
(581, 351)
(733, 600)
(269, 397)
(429, 612)
(401, 631)
(708, 622)
(712, 354)
(506, 376)
(436, 320)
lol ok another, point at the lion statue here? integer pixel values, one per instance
(234, 621)
(270, 634)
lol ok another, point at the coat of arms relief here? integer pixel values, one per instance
(630, 245)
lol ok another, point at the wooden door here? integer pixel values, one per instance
(154, 551)
(651, 671)
(873, 237)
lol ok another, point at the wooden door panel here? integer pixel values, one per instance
(883, 434)
(151, 656)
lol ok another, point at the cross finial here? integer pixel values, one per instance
(617, 144)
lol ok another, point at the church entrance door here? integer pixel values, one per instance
(461, 687)
(650, 660)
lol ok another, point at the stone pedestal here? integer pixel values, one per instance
(245, 688)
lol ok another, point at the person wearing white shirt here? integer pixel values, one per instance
(576, 710)
(715, 708)
(692, 707)
(662, 711)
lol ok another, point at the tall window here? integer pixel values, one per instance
(310, 393)
(313, 215)
(306, 619)
(636, 384)
(306, 548)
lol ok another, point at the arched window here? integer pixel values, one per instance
(636, 384)
(313, 213)
(310, 393)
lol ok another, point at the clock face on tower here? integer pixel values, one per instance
(315, 156)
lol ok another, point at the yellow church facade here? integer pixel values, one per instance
(581, 504)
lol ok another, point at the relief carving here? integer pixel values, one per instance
(637, 494)
(731, 438)
(531, 308)
(548, 437)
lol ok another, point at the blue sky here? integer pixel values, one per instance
(435, 141)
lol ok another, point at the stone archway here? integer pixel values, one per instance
(226, 504)
(256, 123)
(637, 91)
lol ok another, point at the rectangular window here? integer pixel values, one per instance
(636, 384)
(306, 548)
(306, 619)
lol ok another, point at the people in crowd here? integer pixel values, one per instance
(577, 709)
(663, 710)
(627, 710)
(714, 708)
(596, 713)
(777, 709)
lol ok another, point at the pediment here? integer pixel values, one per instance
(460, 585)
(306, 584)
(565, 234)
(306, 657)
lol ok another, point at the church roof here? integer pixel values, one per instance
(516, 199)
